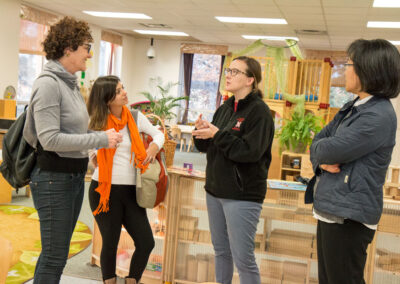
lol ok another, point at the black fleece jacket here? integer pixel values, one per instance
(239, 155)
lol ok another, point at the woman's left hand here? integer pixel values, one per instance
(206, 133)
(151, 153)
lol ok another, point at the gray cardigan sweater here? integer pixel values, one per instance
(57, 115)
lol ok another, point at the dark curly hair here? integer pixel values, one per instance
(68, 32)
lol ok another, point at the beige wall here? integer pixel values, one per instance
(9, 43)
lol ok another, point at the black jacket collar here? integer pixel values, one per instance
(252, 96)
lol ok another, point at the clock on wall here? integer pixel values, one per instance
(10, 93)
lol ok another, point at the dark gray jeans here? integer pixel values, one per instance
(58, 199)
(233, 226)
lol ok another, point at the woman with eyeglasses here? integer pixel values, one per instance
(350, 157)
(238, 145)
(57, 127)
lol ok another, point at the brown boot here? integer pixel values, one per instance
(130, 281)
(111, 281)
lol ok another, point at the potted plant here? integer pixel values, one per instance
(297, 132)
(161, 102)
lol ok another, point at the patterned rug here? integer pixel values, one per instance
(20, 225)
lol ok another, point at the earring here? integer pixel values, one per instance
(67, 54)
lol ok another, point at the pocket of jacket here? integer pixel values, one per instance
(348, 177)
(238, 178)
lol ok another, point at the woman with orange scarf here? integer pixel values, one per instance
(112, 192)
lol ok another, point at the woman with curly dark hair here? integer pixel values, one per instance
(57, 127)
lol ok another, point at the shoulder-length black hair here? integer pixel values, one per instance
(377, 64)
(103, 91)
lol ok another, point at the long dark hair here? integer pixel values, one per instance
(377, 64)
(253, 70)
(103, 91)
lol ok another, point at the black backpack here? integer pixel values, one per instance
(19, 157)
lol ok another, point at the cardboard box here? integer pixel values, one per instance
(8, 108)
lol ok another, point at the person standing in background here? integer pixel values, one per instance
(238, 144)
(57, 127)
(350, 157)
(112, 192)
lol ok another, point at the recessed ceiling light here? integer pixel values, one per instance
(270, 21)
(392, 25)
(387, 3)
(269, 37)
(166, 33)
(395, 42)
(118, 15)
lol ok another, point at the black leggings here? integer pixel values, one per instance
(124, 210)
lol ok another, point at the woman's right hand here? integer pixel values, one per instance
(114, 138)
(200, 123)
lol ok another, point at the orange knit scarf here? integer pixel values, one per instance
(105, 157)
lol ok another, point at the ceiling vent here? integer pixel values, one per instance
(156, 26)
(310, 32)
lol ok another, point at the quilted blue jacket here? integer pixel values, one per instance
(361, 139)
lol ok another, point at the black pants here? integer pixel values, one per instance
(342, 252)
(124, 210)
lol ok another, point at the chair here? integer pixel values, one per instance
(5, 258)
(176, 133)
(191, 144)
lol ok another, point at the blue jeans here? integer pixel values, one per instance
(58, 199)
(233, 226)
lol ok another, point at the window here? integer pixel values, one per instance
(30, 67)
(204, 86)
(110, 54)
(110, 59)
(31, 59)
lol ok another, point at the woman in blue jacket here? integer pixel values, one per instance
(350, 158)
(238, 145)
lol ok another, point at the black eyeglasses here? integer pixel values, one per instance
(88, 47)
(233, 72)
(348, 64)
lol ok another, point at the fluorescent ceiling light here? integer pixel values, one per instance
(392, 25)
(166, 33)
(252, 20)
(395, 42)
(387, 3)
(118, 15)
(269, 37)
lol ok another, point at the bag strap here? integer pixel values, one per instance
(134, 113)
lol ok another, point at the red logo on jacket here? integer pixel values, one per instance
(238, 123)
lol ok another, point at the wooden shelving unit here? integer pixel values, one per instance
(289, 171)
(285, 239)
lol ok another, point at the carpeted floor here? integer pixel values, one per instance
(79, 265)
(20, 225)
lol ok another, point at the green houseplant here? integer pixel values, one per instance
(297, 133)
(161, 101)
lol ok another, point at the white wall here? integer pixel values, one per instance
(396, 151)
(92, 70)
(9, 43)
(129, 66)
(164, 65)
